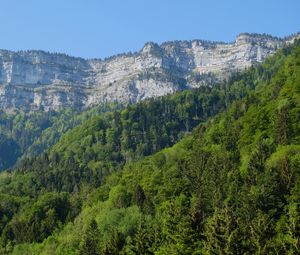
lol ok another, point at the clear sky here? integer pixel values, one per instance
(100, 28)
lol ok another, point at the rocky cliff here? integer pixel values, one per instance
(33, 80)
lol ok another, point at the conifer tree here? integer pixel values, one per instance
(90, 242)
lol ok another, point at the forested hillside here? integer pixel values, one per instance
(29, 134)
(229, 186)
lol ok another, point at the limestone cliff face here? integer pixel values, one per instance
(35, 80)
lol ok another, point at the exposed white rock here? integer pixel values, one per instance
(32, 80)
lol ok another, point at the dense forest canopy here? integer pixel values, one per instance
(207, 171)
(28, 134)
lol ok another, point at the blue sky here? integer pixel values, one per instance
(100, 28)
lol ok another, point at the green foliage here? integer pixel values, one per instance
(29, 134)
(39, 220)
(229, 186)
(90, 242)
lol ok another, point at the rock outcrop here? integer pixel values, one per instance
(33, 80)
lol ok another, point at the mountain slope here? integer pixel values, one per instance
(34, 80)
(30, 134)
(230, 187)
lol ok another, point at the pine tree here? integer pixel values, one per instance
(90, 242)
(138, 197)
(142, 241)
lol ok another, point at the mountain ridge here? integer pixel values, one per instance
(38, 80)
(288, 37)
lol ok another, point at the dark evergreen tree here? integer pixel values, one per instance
(90, 244)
